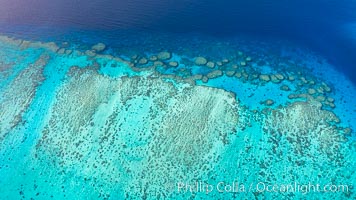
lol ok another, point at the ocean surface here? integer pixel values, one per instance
(177, 99)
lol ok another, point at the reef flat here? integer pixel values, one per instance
(90, 125)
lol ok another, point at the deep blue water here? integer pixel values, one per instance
(328, 27)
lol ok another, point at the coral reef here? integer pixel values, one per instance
(164, 55)
(98, 47)
(18, 95)
(210, 64)
(306, 126)
(200, 61)
(136, 127)
(133, 126)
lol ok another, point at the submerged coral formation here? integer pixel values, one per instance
(117, 125)
(18, 95)
(137, 127)
(311, 128)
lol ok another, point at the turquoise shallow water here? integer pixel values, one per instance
(234, 118)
